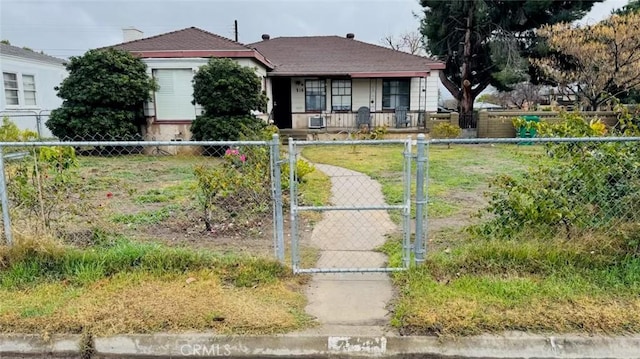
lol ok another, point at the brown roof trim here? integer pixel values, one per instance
(355, 75)
(390, 74)
(238, 50)
(161, 54)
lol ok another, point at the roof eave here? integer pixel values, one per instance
(368, 74)
(179, 54)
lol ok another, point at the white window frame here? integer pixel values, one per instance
(315, 90)
(25, 90)
(341, 89)
(21, 90)
(15, 89)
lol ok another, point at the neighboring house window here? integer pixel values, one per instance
(315, 95)
(11, 88)
(341, 95)
(29, 89)
(395, 93)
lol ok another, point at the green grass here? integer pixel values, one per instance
(315, 190)
(24, 267)
(457, 169)
(146, 217)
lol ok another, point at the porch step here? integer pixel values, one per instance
(285, 134)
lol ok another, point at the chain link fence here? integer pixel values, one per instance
(229, 195)
(569, 189)
(31, 120)
(358, 218)
(213, 194)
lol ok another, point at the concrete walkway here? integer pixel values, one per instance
(346, 303)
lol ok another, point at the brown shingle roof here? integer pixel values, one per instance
(189, 39)
(334, 55)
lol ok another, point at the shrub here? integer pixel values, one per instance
(40, 186)
(228, 93)
(577, 188)
(225, 88)
(226, 128)
(103, 97)
(238, 191)
(445, 130)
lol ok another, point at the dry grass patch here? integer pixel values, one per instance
(477, 286)
(140, 303)
(122, 286)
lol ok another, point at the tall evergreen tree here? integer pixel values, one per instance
(486, 42)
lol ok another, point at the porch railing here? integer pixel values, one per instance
(414, 119)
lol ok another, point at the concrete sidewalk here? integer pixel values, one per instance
(351, 303)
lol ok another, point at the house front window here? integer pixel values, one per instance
(11, 88)
(341, 95)
(29, 90)
(395, 93)
(315, 95)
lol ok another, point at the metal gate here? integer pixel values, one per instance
(357, 219)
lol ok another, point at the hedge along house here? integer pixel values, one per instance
(322, 81)
(311, 82)
(172, 59)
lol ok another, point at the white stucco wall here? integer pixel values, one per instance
(432, 91)
(368, 92)
(46, 76)
(183, 110)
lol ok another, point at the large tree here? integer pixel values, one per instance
(605, 57)
(103, 97)
(486, 42)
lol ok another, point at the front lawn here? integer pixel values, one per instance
(127, 251)
(471, 285)
(123, 286)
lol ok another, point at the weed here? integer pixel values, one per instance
(146, 217)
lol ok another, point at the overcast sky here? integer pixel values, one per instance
(65, 28)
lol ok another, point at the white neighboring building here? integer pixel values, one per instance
(28, 93)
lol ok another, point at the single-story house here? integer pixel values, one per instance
(311, 82)
(172, 59)
(29, 79)
(332, 77)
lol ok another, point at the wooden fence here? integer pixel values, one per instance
(498, 124)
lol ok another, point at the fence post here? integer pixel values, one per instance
(406, 212)
(277, 197)
(295, 257)
(4, 198)
(421, 200)
(454, 119)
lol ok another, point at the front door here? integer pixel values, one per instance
(281, 89)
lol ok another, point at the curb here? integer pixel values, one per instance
(32, 345)
(201, 345)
